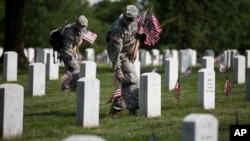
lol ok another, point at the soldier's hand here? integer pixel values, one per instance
(119, 75)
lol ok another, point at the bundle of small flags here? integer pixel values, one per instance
(227, 86)
(177, 90)
(149, 26)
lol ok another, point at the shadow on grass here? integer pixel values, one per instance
(58, 114)
(50, 113)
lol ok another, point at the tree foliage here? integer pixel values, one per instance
(202, 25)
(195, 24)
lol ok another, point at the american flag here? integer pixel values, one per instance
(89, 36)
(117, 93)
(222, 67)
(177, 89)
(187, 71)
(150, 27)
(227, 86)
(66, 78)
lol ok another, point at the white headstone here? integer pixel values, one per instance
(11, 107)
(87, 103)
(1, 51)
(229, 58)
(175, 54)
(171, 72)
(234, 53)
(46, 51)
(145, 57)
(39, 55)
(247, 54)
(166, 54)
(199, 127)
(225, 58)
(31, 54)
(10, 66)
(239, 69)
(83, 138)
(185, 60)
(90, 54)
(207, 62)
(155, 57)
(248, 84)
(36, 79)
(194, 57)
(209, 52)
(25, 51)
(206, 88)
(52, 68)
(150, 94)
(88, 69)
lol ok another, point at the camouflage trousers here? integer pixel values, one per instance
(71, 65)
(130, 89)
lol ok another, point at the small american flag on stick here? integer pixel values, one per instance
(177, 90)
(117, 93)
(227, 86)
(89, 36)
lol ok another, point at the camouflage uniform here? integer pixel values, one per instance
(71, 38)
(120, 37)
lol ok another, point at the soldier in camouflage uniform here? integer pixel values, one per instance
(71, 41)
(121, 36)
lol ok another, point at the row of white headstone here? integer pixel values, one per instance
(87, 105)
(88, 94)
(90, 91)
(38, 54)
(186, 57)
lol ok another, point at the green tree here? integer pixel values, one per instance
(13, 39)
(200, 25)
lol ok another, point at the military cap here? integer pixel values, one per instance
(131, 11)
(82, 20)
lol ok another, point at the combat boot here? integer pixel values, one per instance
(113, 113)
(64, 88)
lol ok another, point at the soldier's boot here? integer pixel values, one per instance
(132, 112)
(64, 88)
(113, 112)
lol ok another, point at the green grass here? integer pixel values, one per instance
(53, 117)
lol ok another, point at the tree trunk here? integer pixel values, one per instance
(13, 39)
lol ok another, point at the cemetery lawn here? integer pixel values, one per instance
(53, 117)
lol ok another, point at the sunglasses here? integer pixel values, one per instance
(129, 19)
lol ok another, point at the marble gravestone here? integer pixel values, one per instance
(87, 102)
(206, 88)
(11, 107)
(199, 127)
(150, 94)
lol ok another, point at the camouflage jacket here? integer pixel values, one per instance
(118, 39)
(70, 38)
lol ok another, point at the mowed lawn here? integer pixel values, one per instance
(53, 117)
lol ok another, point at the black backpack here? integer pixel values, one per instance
(56, 40)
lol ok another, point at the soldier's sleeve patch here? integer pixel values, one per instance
(117, 39)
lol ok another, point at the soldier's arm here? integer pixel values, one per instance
(116, 43)
(77, 46)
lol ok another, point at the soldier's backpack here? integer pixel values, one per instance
(56, 39)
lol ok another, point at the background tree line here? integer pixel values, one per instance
(195, 24)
